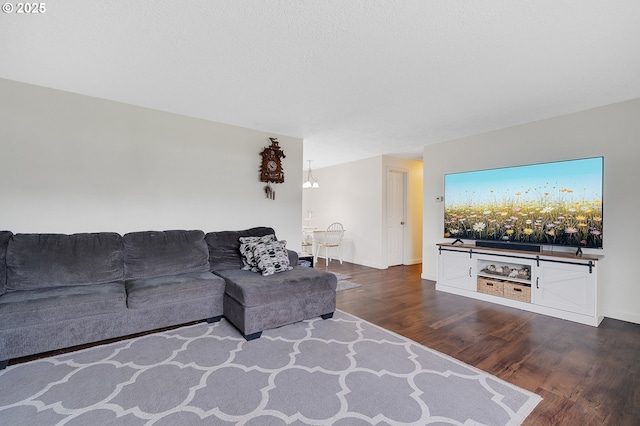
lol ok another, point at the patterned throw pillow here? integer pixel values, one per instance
(272, 257)
(246, 249)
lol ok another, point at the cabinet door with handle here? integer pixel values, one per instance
(455, 269)
(565, 286)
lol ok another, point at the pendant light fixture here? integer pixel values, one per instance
(310, 181)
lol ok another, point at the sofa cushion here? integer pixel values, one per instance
(149, 254)
(36, 261)
(147, 292)
(4, 241)
(224, 247)
(54, 304)
(271, 257)
(251, 289)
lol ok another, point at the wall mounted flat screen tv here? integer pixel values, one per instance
(557, 203)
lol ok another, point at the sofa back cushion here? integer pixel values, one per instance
(224, 247)
(4, 241)
(151, 254)
(36, 261)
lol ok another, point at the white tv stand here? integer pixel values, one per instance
(561, 285)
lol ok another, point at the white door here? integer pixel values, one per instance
(395, 217)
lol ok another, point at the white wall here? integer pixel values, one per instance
(72, 163)
(354, 194)
(612, 131)
(350, 193)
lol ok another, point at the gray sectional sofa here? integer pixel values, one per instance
(58, 291)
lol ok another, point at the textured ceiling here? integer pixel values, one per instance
(355, 78)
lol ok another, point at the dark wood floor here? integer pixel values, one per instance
(586, 375)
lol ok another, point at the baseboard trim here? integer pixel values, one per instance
(623, 316)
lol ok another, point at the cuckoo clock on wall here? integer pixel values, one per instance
(271, 167)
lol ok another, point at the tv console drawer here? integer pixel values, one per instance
(491, 286)
(517, 291)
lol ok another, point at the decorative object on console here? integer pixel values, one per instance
(310, 181)
(271, 170)
(505, 271)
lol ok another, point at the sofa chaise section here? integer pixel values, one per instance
(254, 302)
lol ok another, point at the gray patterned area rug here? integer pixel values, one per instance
(342, 371)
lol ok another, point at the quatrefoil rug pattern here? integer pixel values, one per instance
(342, 371)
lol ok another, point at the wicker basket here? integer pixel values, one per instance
(517, 291)
(490, 286)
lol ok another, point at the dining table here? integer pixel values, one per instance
(316, 234)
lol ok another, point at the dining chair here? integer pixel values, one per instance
(332, 239)
(307, 243)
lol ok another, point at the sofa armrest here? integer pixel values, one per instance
(293, 257)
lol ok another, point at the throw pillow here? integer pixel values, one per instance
(272, 257)
(246, 249)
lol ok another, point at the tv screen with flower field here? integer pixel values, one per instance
(558, 203)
